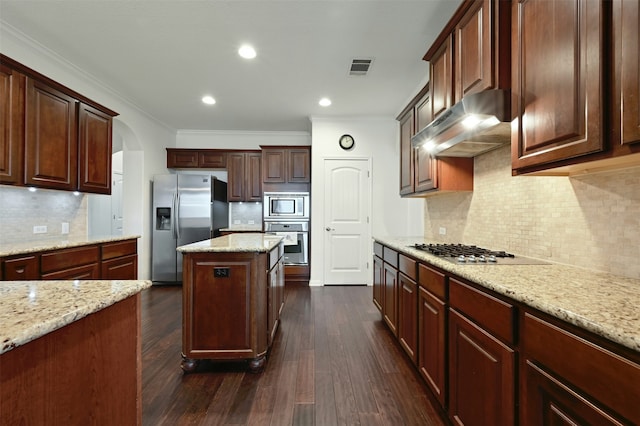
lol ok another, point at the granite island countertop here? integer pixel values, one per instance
(243, 228)
(25, 247)
(31, 309)
(242, 242)
(605, 304)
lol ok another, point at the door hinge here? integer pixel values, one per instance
(368, 173)
(367, 219)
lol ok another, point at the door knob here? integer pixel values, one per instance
(329, 229)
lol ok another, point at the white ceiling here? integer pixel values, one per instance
(164, 55)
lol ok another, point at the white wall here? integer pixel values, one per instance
(221, 139)
(144, 138)
(376, 138)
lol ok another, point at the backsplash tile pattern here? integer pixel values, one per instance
(590, 221)
(245, 213)
(21, 210)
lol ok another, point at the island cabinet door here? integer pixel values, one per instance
(217, 314)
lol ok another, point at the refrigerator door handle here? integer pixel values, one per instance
(173, 217)
(177, 215)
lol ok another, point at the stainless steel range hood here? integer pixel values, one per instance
(478, 123)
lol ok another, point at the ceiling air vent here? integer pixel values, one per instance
(360, 67)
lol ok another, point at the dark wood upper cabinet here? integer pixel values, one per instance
(94, 150)
(407, 163)
(284, 164)
(51, 148)
(186, 158)
(52, 137)
(244, 177)
(482, 44)
(441, 77)
(12, 89)
(626, 91)
(558, 70)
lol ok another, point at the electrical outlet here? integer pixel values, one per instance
(41, 229)
(65, 228)
(251, 222)
(443, 230)
(236, 222)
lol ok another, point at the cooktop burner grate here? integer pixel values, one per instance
(467, 254)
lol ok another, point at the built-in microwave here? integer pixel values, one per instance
(286, 205)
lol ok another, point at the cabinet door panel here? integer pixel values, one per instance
(548, 401)
(408, 316)
(378, 283)
(557, 80)
(299, 166)
(390, 312)
(406, 154)
(473, 51)
(481, 375)
(273, 166)
(11, 125)
(253, 177)
(627, 68)
(441, 71)
(181, 158)
(235, 171)
(51, 138)
(212, 159)
(426, 177)
(432, 342)
(94, 151)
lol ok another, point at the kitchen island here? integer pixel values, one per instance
(233, 293)
(70, 352)
(514, 343)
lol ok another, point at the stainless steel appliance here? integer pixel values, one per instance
(286, 206)
(186, 209)
(296, 240)
(472, 255)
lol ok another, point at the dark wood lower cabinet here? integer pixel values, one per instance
(408, 316)
(229, 311)
(121, 268)
(84, 272)
(549, 401)
(18, 268)
(432, 343)
(481, 375)
(390, 309)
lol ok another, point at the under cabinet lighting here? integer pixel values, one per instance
(32, 189)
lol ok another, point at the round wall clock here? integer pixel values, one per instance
(346, 142)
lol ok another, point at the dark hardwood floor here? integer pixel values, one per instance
(333, 362)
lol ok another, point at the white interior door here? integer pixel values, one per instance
(347, 205)
(116, 203)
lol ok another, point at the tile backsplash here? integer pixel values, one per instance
(245, 213)
(21, 210)
(590, 221)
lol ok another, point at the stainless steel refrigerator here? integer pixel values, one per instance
(186, 209)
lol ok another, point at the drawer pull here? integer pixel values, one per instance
(20, 270)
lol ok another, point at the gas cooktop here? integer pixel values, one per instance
(472, 255)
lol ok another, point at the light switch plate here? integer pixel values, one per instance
(40, 229)
(65, 227)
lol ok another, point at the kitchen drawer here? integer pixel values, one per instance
(432, 280)
(19, 268)
(493, 314)
(378, 249)
(391, 257)
(120, 268)
(118, 249)
(408, 267)
(84, 272)
(606, 377)
(68, 258)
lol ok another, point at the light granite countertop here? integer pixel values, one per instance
(242, 242)
(31, 309)
(605, 304)
(25, 247)
(244, 228)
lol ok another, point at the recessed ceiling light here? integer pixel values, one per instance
(247, 51)
(325, 102)
(208, 100)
